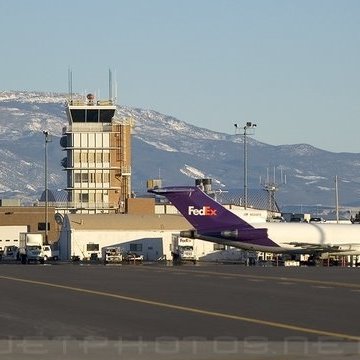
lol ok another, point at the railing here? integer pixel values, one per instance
(85, 102)
(84, 127)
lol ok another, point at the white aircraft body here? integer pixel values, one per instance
(341, 239)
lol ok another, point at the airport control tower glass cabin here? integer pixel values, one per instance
(98, 156)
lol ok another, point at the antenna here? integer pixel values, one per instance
(70, 83)
(110, 85)
(271, 186)
(116, 88)
(274, 175)
(282, 176)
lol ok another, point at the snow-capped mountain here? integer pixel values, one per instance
(177, 152)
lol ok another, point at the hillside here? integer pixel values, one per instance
(172, 149)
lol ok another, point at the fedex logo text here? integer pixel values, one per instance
(205, 211)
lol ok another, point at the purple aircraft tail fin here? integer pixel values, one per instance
(213, 221)
(202, 211)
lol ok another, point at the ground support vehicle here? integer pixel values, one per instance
(49, 253)
(30, 248)
(132, 257)
(10, 254)
(183, 249)
(112, 255)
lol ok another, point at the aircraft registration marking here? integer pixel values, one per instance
(189, 309)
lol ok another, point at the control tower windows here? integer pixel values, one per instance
(92, 115)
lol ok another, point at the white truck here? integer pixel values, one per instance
(49, 253)
(30, 248)
(183, 249)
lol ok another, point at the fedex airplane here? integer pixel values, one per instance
(213, 222)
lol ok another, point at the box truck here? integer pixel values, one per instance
(30, 248)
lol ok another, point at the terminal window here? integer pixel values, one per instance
(92, 116)
(92, 247)
(84, 197)
(135, 247)
(41, 226)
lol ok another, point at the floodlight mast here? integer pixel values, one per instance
(246, 128)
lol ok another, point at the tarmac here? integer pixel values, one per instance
(145, 311)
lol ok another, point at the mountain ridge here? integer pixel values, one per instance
(170, 147)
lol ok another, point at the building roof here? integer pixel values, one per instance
(127, 222)
(54, 196)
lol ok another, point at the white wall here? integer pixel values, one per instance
(153, 243)
(9, 235)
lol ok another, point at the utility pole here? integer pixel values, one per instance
(336, 199)
(248, 126)
(48, 139)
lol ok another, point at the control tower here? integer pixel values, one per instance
(98, 156)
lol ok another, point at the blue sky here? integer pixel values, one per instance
(291, 67)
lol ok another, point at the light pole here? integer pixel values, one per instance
(248, 126)
(336, 199)
(47, 140)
